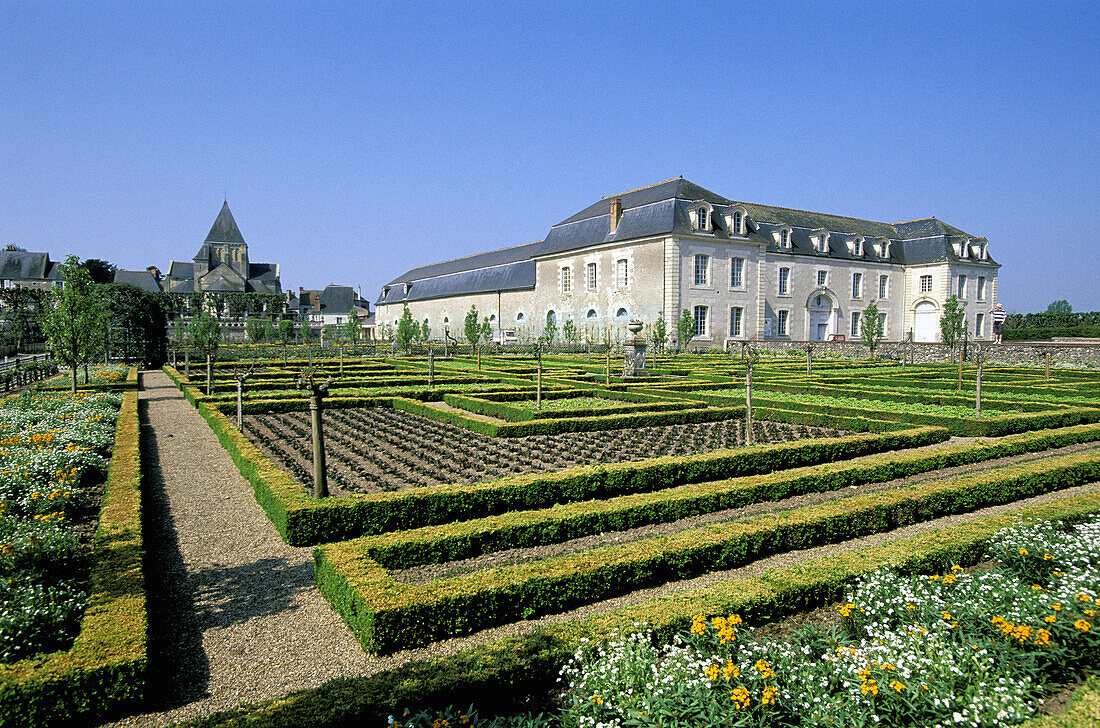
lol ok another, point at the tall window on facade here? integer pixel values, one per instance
(591, 273)
(962, 287)
(737, 267)
(735, 321)
(621, 273)
(882, 323)
(566, 281)
(784, 281)
(981, 288)
(857, 285)
(979, 322)
(926, 284)
(700, 320)
(702, 267)
(882, 283)
(855, 324)
(783, 316)
(822, 276)
(736, 223)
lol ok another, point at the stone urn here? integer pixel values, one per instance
(635, 327)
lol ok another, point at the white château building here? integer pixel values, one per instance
(743, 271)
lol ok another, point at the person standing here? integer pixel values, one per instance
(999, 316)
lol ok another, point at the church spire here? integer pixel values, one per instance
(225, 228)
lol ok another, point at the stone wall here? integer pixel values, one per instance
(1016, 353)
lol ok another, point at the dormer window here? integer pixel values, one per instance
(884, 249)
(784, 238)
(702, 216)
(385, 291)
(408, 287)
(738, 227)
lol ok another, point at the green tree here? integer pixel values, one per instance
(870, 328)
(307, 333)
(255, 330)
(100, 270)
(286, 333)
(425, 331)
(351, 328)
(136, 323)
(75, 320)
(406, 329)
(486, 330)
(953, 321)
(206, 336)
(1061, 306)
(550, 331)
(569, 331)
(470, 326)
(685, 328)
(660, 332)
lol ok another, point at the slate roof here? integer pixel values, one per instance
(143, 279)
(22, 265)
(224, 229)
(663, 209)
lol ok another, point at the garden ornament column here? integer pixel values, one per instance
(634, 351)
(750, 358)
(317, 394)
(538, 376)
(1046, 356)
(607, 368)
(809, 358)
(431, 367)
(241, 377)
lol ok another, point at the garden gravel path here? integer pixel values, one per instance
(235, 616)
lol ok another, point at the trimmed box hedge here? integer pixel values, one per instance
(303, 520)
(518, 673)
(106, 666)
(563, 522)
(385, 615)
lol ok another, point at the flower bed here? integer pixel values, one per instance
(52, 446)
(922, 650)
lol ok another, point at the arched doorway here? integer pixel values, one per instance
(820, 317)
(925, 322)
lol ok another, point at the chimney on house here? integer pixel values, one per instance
(616, 212)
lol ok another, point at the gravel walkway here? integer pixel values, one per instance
(234, 614)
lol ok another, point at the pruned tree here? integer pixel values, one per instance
(685, 328)
(1060, 306)
(255, 330)
(406, 330)
(471, 328)
(569, 331)
(100, 270)
(660, 332)
(425, 331)
(286, 333)
(870, 328)
(550, 330)
(952, 322)
(75, 318)
(352, 328)
(206, 336)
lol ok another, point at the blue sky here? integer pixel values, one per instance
(357, 140)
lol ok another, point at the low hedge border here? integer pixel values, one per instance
(305, 521)
(106, 666)
(518, 673)
(386, 616)
(563, 522)
(499, 406)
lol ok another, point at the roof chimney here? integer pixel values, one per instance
(616, 212)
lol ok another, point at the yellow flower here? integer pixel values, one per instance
(768, 695)
(910, 607)
(1090, 613)
(730, 670)
(946, 616)
(1042, 637)
(956, 567)
(1082, 597)
(1050, 619)
(897, 685)
(711, 672)
(1082, 625)
(698, 624)
(740, 697)
(1036, 587)
(869, 688)
(1023, 552)
(1048, 557)
(1056, 607)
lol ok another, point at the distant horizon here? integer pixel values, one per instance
(352, 149)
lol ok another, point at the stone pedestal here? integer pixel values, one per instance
(634, 349)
